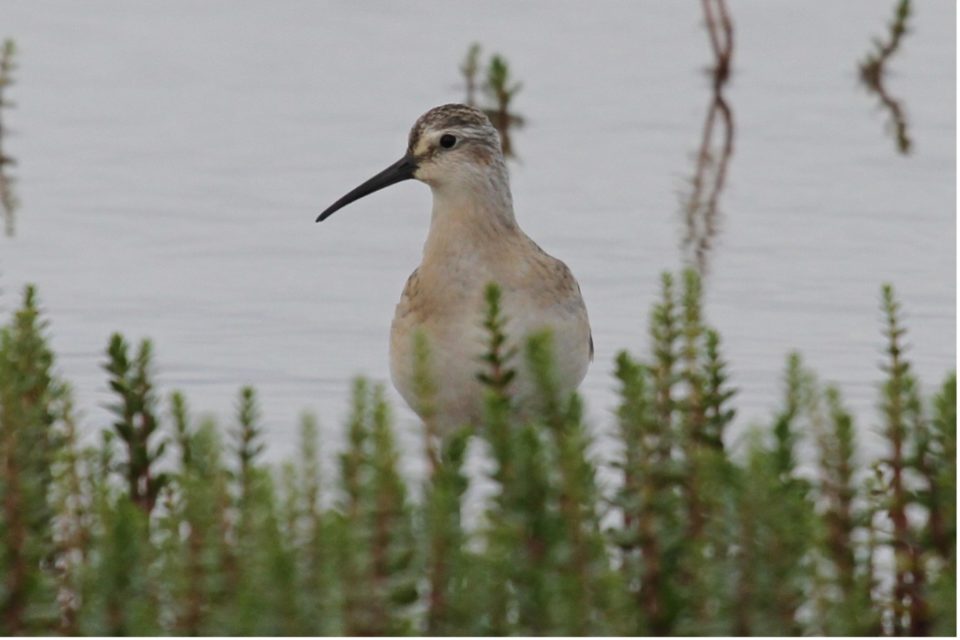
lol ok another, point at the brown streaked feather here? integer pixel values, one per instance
(445, 117)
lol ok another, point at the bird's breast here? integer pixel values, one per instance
(448, 307)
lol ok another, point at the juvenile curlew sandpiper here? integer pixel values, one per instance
(474, 239)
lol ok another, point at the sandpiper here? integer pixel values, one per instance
(474, 239)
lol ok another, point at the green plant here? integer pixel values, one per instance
(29, 446)
(8, 199)
(136, 419)
(499, 89)
(696, 536)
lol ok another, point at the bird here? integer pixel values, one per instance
(474, 240)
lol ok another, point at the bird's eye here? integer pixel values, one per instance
(447, 141)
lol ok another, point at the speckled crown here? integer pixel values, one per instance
(448, 116)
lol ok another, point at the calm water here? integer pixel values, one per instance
(172, 158)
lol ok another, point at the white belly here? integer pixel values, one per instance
(457, 340)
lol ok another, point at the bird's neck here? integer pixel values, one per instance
(472, 215)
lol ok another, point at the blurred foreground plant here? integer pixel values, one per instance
(695, 537)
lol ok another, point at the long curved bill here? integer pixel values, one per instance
(402, 169)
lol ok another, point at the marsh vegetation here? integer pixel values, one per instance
(8, 197)
(173, 525)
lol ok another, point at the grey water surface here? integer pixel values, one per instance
(172, 157)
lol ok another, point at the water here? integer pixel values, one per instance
(173, 156)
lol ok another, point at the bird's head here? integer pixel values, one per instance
(449, 146)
